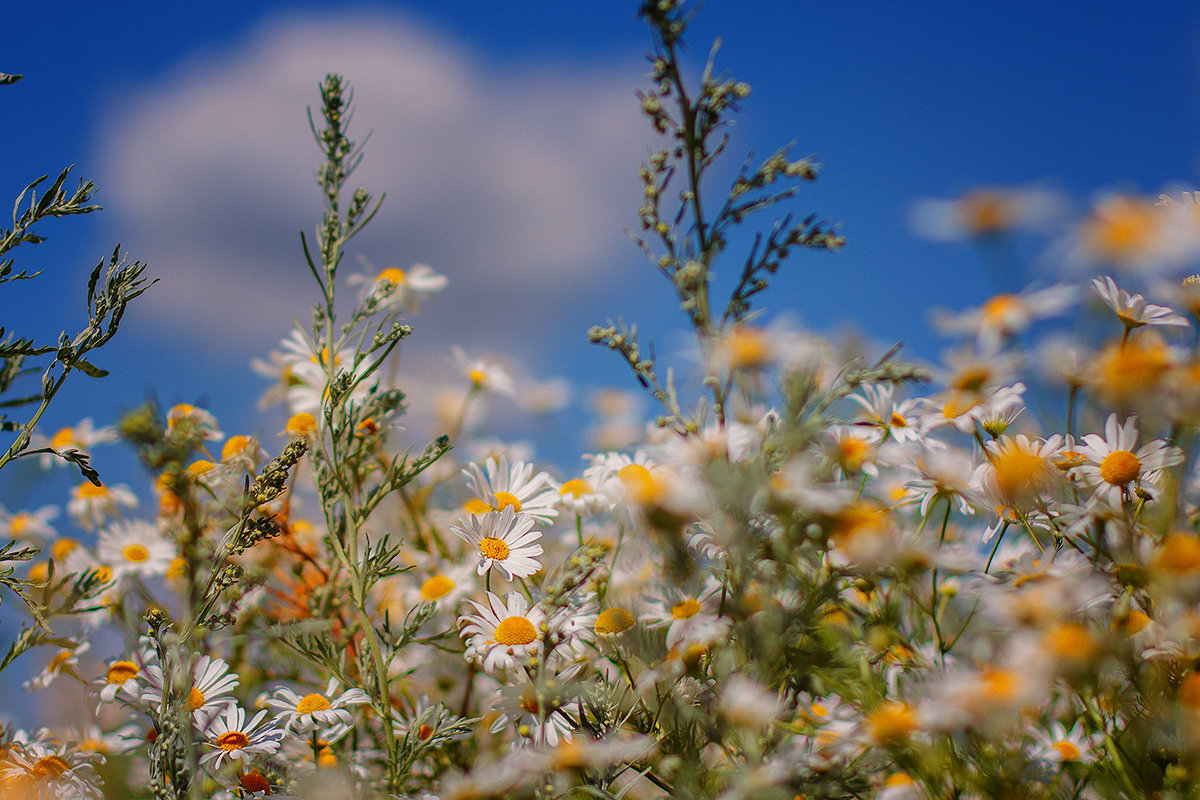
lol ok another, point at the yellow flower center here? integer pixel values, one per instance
(639, 482)
(1120, 228)
(748, 348)
(91, 490)
(1021, 475)
(195, 699)
(515, 630)
(613, 620)
(311, 703)
(997, 309)
(998, 685)
(302, 424)
(436, 587)
(493, 548)
(852, 453)
(135, 552)
(1070, 641)
(898, 421)
(199, 467)
(103, 574)
(1180, 554)
(236, 446)
(898, 779)
(233, 740)
(983, 212)
(1120, 467)
(891, 722)
(63, 438)
(958, 404)
(424, 731)
(504, 500)
(62, 548)
(477, 376)
(1126, 372)
(971, 379)
(393, 274)
(686, 609)
(1066, 751)
(50, 766)
(177, 568)
(577, 487)
(60, 658)
(121, 671)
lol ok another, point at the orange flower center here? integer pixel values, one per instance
(1120, 467)
(436, 587)
(121, 671)
(494, 548)
(311, 703)
(515, 630)
(233, 740)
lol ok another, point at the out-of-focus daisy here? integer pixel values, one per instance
(891, 419)
(503, 633)
(1021, 471)
(66, 660)
(91, 505)
(211, 689)
(232, 738)
(1123, 230)
(690, 617)
(28, 526)
(395, 286)
(503, 539)
(121, 677)
(1132, 309)
(1115, 469)
(578, 496)
(1057, 744)
(204, 423)
(485, 374)
(536, 720)
(243, 451)
(985, 211)
(134, 548)
(315, 710)
(1007, 315)
(502, 485)
(82, 436)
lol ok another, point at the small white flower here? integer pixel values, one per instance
(1133, 310)
(91, 505)
(501, 484)
(134, 548)
(1115, 469)
(395, 286)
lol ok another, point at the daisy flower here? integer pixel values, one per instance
(888, 417)
(1115, 469)
(66, 660)
(234, 739)
(1007, 315)
(503, 633)
(536, 721)
(501, 485)
(1057, 744)
(395, 286)
(984, 211)
(121, 677)
(90, 505)
(1020, 472)
(82, 436)
(690, 618)
(485, 374)
(134, 548)
(1133, 310)
(211, 690)
(578, 496)
(39, 772)
(315, 710)
(28, 525)
(504, 539)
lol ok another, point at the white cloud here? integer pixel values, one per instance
(515, 181)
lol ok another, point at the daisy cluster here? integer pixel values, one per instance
(818, 573)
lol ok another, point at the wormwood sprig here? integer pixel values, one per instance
(679, 236)
(353, 476)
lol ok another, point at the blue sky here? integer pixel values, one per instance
(507, 139)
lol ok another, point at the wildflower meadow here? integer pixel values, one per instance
(823, 570)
